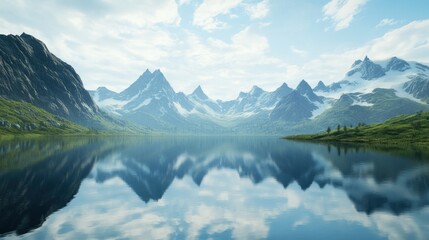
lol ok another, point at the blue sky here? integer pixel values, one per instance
(224, 46)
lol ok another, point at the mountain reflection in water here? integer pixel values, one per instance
(197, 188)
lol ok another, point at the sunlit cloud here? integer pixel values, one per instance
(342, 12)
(259, 10)
(205, 15)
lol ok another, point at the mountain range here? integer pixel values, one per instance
(371, 91)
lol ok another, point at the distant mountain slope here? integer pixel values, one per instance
(403, 129)
(30, 73)
(151, 101)
(371, 91)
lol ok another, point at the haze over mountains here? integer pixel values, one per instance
(371, 91)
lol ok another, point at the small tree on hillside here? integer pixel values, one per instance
(338, 127)
(328, 130)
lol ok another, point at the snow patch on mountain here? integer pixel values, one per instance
(392, 79)
(321, 107)
(144, 103)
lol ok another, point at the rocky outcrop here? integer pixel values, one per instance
(30, 73)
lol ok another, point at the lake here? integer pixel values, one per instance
(210, 188)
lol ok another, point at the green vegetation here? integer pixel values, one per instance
(20, 118)
(403, 129)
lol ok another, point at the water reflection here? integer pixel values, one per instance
(199, 188)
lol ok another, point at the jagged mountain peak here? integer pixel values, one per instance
(283, 85)
(147, 72)
(367, 68)
(397, 64)
(241, 95)
(321, 86)
(283, 90)
(199, 93)
(357, 62)
(305, 90)
(366, 59)
(148, 82)
(256, 91)
(303, 87)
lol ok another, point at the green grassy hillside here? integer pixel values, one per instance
(403, 129)
(19, 118)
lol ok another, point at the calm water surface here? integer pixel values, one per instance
(210, 188)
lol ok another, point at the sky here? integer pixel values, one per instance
(226, 46)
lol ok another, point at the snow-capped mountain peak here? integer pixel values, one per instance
(397, 65)
(148, 82)
(305, 90)
(405, 85)
(367, 68)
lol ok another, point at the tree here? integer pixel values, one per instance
(345, 128)
(328, 130)
(338, 127)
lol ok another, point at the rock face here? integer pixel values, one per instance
(294, 108)
(321, 87)
(397, 64)
(368, 69)
(418, 86)
(305, 90)
(30, 73)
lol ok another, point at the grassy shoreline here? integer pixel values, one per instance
(401, 130)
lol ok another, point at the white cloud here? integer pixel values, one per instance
(223, 68)
(259, 10)
(184, 2)
(386, 22)
(108, 45)
(182, 210)
(205, 16)
(342, 12)
(111, 44)
(409, 42)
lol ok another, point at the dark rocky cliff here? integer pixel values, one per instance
(30, 73)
